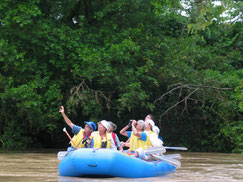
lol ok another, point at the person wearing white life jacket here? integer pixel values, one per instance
(149, 116)
(112, 129)
(153, 133)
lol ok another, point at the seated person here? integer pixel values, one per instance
(138, 139)
(81, 136)
(101, 138)
(151, 131)
(112, 128)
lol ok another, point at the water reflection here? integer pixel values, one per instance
(205, 167)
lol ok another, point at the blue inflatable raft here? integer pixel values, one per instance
(107, 162)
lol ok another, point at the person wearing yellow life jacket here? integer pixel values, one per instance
(101, 138)
(138, 138)
(81, 135)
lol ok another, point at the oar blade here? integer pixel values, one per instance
(170, 161)
(61, 154)
(176, 148)
(155, 150)
(173, 156)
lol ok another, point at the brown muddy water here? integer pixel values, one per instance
(196, 167)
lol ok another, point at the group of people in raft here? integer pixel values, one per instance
(144, 135)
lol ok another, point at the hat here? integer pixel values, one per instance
(156, 130)
(151, 122)
(105, 124)
(112, 126)
(91, 124)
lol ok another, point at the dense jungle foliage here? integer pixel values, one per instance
(119, 60)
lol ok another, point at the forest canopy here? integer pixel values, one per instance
(120, 60)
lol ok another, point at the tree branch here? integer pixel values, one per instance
(185, 99)
(80, 91)
(181, 86)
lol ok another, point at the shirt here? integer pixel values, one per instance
(143, 135)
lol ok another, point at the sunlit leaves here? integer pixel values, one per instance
(205, 12)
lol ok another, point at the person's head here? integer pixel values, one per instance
(89, 127)
(149, 116)
(149, 124)
(112, 127)
(156, 130)
(140, 125)
(103, 126)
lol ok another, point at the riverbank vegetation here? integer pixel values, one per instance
(119, 60)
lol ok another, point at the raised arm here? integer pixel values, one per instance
(124, 130)
(67, 120)
(134, 129)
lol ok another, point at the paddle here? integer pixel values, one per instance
(161, 149)
(171, 161)
(155, 150)
(173, 156)
(176, 148)
(75, 146)
(61, 154)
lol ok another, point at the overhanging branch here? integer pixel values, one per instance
(191, 90)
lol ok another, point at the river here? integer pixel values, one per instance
(196, 167)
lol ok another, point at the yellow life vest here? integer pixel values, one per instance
(77, 139)
(98, 142)
(136, 142)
